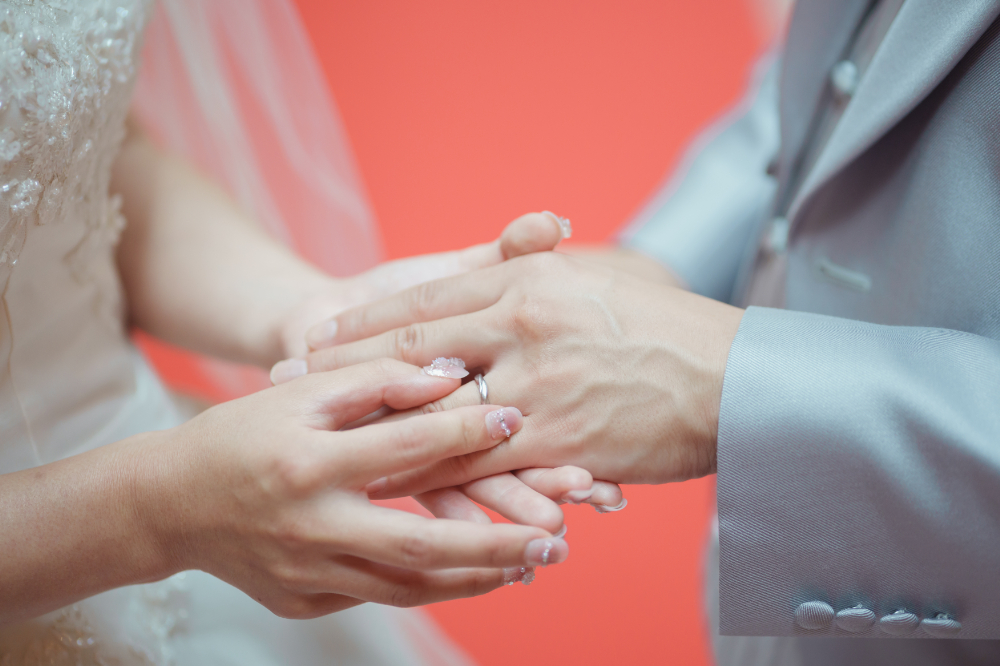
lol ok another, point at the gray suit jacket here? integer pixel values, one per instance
(859, 434)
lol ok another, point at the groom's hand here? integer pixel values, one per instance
(534, 232)
(615, 374)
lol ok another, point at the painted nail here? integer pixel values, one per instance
(543, 552)
(377, 485)
(523, 575)
(561, 534)
(453, 368)
(287, 370)
(565, 227)
(604, 508)
(504, 422)
(577, 496)
(322, 334)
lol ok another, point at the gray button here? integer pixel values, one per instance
(777, 235)
(855, 619)
(941, 625)
(814, 615)
(898, 623)
(844, 78)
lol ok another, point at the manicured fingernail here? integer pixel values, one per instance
(577, 496)
(523, 575)
(321, 335)
(377, 485)
(565, 227)
(453, 368)
(504, 422)
(287, 370)
(561, 534)
(543, 552)
(604, 508)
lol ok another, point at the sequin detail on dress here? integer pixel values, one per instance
(66, 75)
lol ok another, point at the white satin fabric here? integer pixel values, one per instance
(69, 378)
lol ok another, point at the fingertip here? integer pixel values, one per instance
(606, 494)
(534, 232)
(287, 370)
(322, 335)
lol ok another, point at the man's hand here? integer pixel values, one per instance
(534, 232)
(614, 374)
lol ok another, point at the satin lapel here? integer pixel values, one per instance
(926, 40)
(817, 37)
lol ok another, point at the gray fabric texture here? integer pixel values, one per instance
(859, 444)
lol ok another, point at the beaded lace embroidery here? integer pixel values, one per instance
(66, 74)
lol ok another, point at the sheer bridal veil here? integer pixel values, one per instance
(235, 87)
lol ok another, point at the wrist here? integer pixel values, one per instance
(726, 324)
(150, 497)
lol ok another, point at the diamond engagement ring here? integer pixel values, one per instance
(484, 391)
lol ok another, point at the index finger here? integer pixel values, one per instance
(438, 299)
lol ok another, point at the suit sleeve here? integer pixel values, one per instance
(701, 221)
(859, 470)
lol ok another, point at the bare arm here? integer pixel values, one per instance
(198, 271)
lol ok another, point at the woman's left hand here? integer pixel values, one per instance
(614, 374)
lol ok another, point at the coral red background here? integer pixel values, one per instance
(463, 115)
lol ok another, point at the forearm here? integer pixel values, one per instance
(77, 527)
(197, 271)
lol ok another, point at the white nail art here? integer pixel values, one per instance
(497, 419)
(453, 368)
(604, 508)
(565, 227)
(523, 575)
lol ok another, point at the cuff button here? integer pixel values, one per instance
(941, 625)
(814, 615)
(898, 623)
(855, 619)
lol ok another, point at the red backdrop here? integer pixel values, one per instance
(464, 115)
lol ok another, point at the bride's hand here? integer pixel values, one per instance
(618, 375)
(268, 494)
(534, 232)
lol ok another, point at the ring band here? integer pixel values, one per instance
(484, 391)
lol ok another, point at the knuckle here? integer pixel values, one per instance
(404, 596)
(432, 407)
(422, 300)
(416, 550)
(295, 475)
(406, 341)
(291, 577)
(530, 320)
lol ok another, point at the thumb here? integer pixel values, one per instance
(534, 232)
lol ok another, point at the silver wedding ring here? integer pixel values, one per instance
(484, 391)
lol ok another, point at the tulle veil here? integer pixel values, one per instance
(235, 87)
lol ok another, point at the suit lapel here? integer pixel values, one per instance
(817, 37)
(926, 40)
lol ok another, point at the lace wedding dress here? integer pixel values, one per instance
(69, 378)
